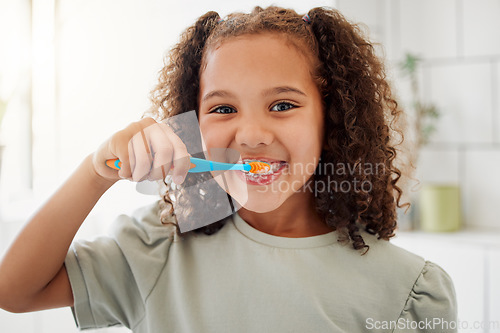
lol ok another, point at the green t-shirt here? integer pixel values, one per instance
(240, 279)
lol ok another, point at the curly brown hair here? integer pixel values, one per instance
(360, 112)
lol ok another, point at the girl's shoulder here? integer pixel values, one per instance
(384, 251)
(421, 275)
(420, 287)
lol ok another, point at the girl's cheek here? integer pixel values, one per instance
(213, 138)
(205, 142)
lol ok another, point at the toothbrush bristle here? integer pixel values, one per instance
(259, 167)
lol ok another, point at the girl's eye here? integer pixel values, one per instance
(223, 110)
(283, 106)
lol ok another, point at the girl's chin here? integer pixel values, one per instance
(258, 198)
(262, 205)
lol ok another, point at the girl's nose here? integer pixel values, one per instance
(254, 132)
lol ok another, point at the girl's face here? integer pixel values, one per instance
(257, 96)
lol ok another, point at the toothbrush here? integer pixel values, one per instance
(201, 165)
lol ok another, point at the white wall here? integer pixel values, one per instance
(459, 42)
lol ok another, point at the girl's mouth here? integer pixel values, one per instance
(266, 178)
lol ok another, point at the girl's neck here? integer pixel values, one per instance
(296, 217)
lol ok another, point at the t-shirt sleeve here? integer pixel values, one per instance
(104, 289)
(431, 305)
(112, 276)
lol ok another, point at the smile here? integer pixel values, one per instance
(267, 178)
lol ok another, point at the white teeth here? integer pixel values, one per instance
(275, 167)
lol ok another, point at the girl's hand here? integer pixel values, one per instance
(147, 150)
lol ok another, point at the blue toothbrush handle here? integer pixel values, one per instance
(201, 165)
(197, 165)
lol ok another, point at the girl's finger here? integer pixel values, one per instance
(122, 148)
(100, 156)
(118, 149)
(163, 152)
(152, 150)
(181, 157)
(142, 159)
(137, 149)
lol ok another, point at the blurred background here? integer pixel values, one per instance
(74, 72)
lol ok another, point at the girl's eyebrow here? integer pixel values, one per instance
(282, 89)
(267, 92)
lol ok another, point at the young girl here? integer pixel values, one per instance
(308, 249)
